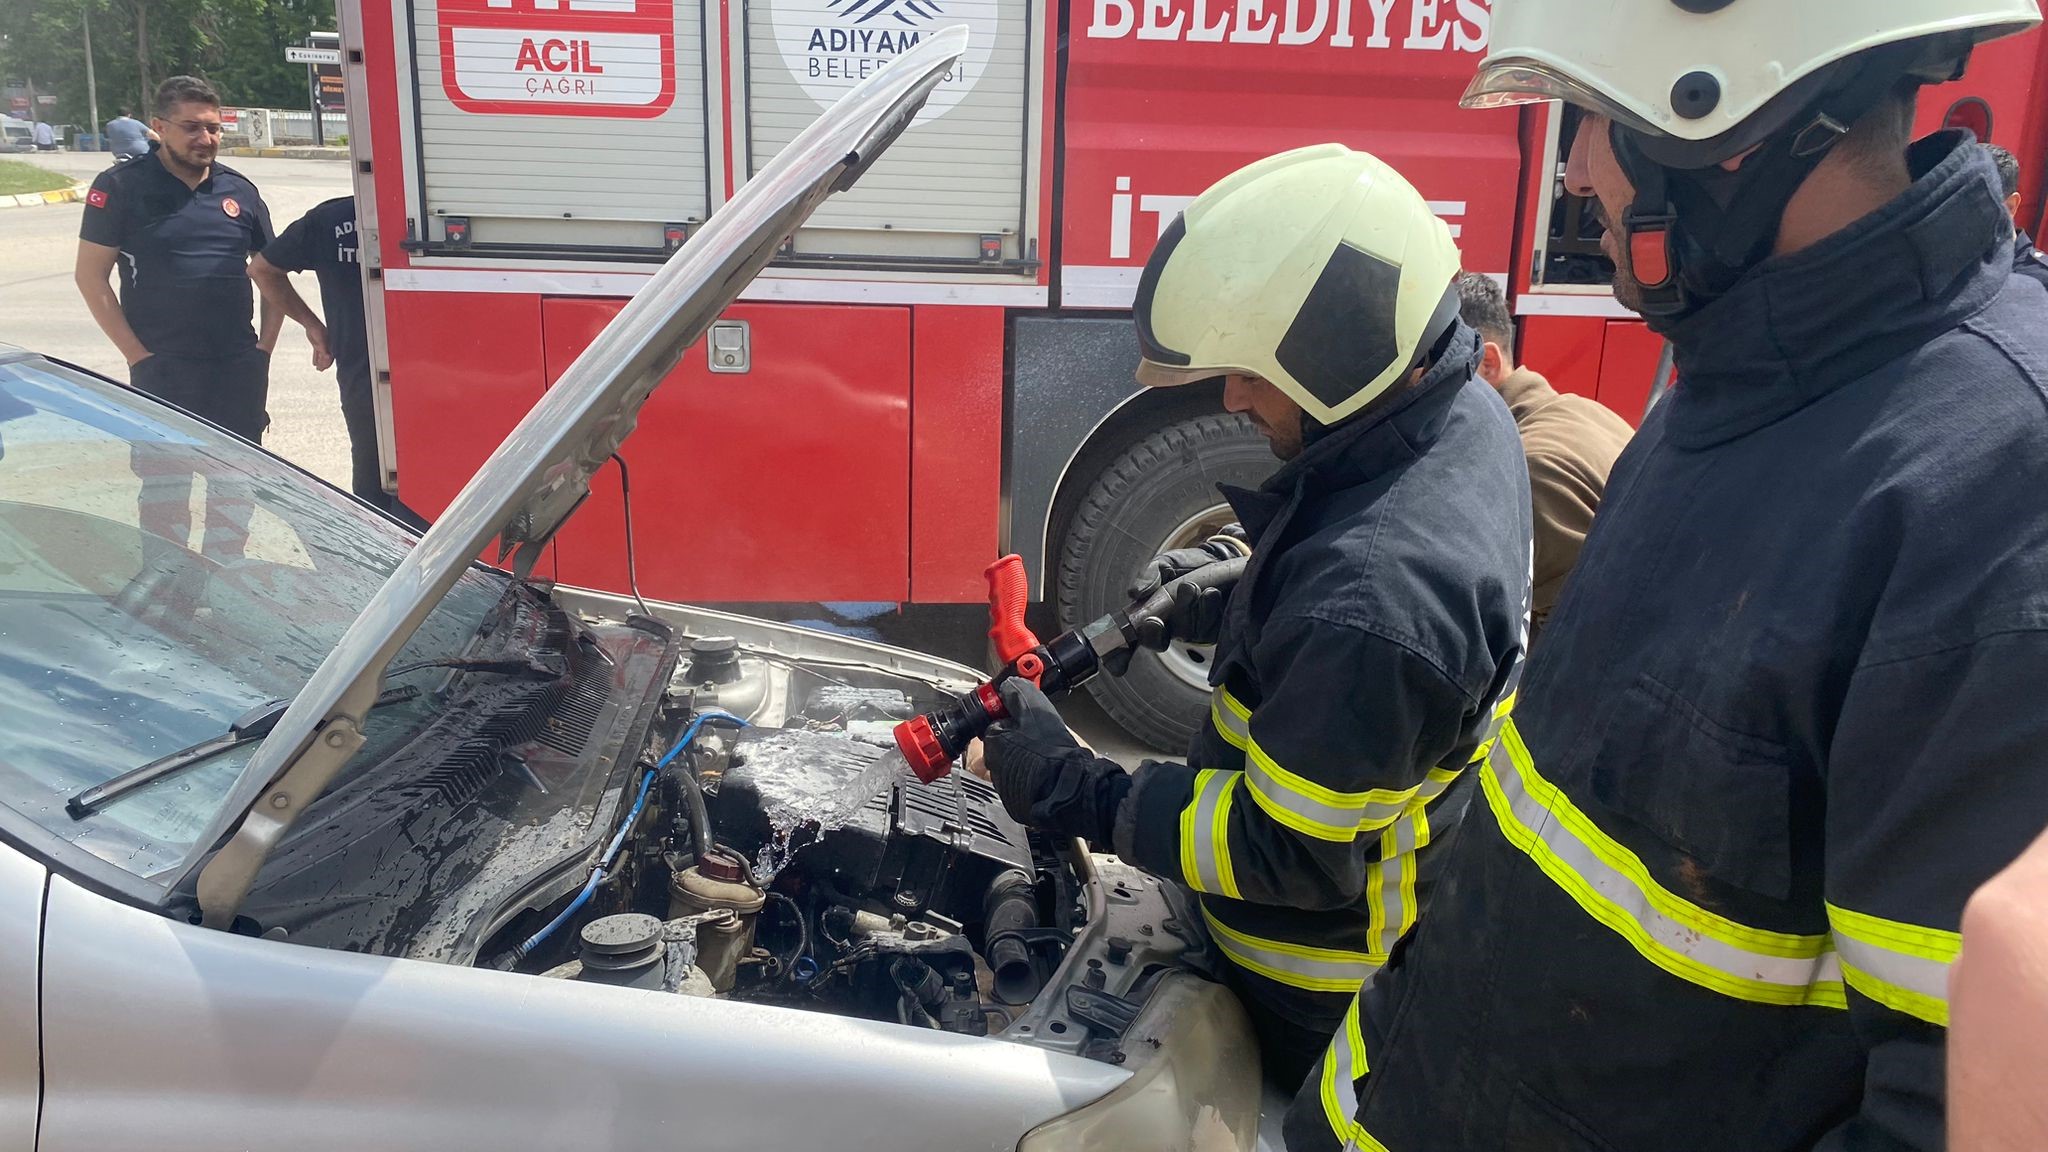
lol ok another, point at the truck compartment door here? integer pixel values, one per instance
(952, 191)
(551, 126)
(787, 481)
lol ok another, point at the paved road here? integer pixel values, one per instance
(41, 309)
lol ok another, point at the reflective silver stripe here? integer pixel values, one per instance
(1434, 785)
(1312, 809)
(1205, 830)
(1613, 886)
(1232, 719)
(1296, 965)
(1902, 966)
(1343, 1066)
(1502, 710)
(1305, 805)
(1391, 893)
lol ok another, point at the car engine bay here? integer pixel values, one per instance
(828, 878)
(778, 852)
(711, 805)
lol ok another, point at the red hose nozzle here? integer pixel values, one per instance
(921, 749)
(931, 742)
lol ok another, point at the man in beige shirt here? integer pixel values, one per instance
(1571, 443)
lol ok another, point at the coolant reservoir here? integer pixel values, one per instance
(713, 885)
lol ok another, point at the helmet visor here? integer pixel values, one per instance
(1510, 80)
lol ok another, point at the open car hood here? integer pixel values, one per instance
(537, 477)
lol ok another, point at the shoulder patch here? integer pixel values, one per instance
(97, 198)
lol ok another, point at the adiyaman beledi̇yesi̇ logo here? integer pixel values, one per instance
(831, 45)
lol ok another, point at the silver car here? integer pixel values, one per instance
(317, 834)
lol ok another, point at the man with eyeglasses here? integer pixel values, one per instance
(182, 229)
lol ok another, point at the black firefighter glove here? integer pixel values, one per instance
(1046, 779)
(1228, 544)
(1196, 616)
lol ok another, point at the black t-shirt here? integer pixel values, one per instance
(185, 284)
(323, 242)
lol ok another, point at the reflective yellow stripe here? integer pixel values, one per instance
(1230, 716)
(1295, 965)
(1614, 887)
(1343, 1066)
(1434, 784)
(1501, 711)
(1219, 835)
(1901, 966)
(1391, 905)
(1376, 904)
(1313, 809)
(1205, 833)
(1304, 805)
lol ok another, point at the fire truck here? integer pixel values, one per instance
(937, 368)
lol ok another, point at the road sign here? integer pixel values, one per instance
(294, 54)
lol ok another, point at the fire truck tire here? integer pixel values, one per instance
(1159, 493)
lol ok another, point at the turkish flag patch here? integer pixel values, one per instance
(97, 198)
(229, 206)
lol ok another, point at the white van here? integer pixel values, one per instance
(16, 135)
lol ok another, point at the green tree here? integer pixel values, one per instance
(238, 45)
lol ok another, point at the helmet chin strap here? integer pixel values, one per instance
(1696, 228)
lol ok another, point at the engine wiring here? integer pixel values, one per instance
(803, 940)
(604, 863)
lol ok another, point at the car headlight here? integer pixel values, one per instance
(1195, 1080)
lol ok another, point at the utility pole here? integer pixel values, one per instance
(92, 88)
(313, 98)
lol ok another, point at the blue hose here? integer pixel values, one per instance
(604, 862)
(582, 898)
(690, 733)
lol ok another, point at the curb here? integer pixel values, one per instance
(306, 152)
(36, 199)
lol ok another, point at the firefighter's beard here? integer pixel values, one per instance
(192, 160)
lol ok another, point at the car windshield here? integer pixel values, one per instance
(159, 579)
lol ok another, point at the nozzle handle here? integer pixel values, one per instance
(1009, 590)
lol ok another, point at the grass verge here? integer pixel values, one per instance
(17, 177)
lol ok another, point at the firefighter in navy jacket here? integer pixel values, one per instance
(1372, 644)
(1787, 717)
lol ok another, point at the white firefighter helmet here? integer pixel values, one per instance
(1690, 84)
(1320, 270)
(1710, 70)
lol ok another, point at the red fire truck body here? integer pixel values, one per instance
(937, 370)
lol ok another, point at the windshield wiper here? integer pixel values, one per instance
(254, 725)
